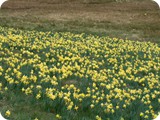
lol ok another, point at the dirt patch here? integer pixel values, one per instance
(138, 18)
(120, 13)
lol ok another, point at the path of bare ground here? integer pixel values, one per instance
(138, 20)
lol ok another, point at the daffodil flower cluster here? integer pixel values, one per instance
(79, 73)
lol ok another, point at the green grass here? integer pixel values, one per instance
(23, 107)
(135, 31)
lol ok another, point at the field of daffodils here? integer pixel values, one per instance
(81, 76)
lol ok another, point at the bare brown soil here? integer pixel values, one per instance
(140, 19)
(111, 12)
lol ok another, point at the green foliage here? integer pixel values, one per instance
(79, 76)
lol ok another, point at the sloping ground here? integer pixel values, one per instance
(77, 76)
(138, 20)
(134, 20)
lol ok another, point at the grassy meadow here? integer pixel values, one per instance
(91, 60)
